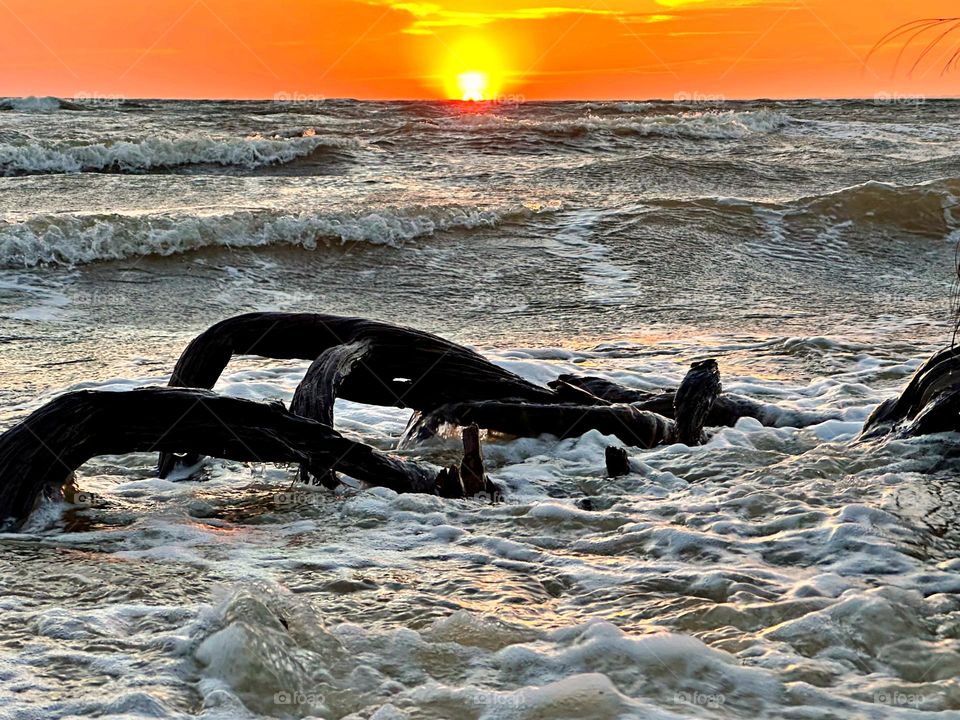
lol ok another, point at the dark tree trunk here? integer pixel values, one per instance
(618, 462)
(632, 426)
(726, 411)
(316, 394)
(402, 367)
(925, 404)
(692, 404)
(39, 454)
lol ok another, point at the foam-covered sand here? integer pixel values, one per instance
(773, 572)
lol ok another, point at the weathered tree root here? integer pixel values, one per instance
(633, 426)
(930, 403)
(39, 455)
(315, 397)
(401, 367)
(316, 394)
(469, 479)
(617, 461)
(726, 411)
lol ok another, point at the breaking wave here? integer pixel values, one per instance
(926, 209)
(36, 104)
(36, 158)
(76, 239)
(707, 125)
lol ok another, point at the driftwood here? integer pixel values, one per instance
(315, 396)
(472, 473)
(442, 382)
(382, 364)
(633, 426)
(400, 367)
(618, 462)
(726, 411)
(469, 479)
(39, 455)
(930, 403)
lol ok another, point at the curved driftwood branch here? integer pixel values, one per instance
(694, 399)
(929, 390)
(726, 411)
(39, 454)
(402, 367)
(633, 425)
(316, 394)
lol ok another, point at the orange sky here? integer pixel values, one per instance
(540, 49)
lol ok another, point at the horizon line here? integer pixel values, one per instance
(513, 98)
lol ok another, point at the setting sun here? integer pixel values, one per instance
(474, 69)
(473, 86)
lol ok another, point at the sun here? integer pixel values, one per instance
(474, 70)
(474, 86)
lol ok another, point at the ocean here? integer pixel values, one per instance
(773, 573)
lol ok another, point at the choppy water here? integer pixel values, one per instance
(771, 573)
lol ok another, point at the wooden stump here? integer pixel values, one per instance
(618, 462)
(472, 473)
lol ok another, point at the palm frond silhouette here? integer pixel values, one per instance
(918, 41)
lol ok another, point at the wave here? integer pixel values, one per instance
(153, 155)
(927, 209)
(36, 104)
(77, 239)
(705, 125)
(923, 209)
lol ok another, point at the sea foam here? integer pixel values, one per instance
(151, 155)
(74, 239)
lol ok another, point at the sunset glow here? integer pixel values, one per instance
(473, 86)
(442, 48)
(473, 68)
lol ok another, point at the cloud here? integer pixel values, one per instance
(680, 4)
(429, 17)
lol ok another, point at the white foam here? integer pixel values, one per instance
(158, 153)
(31, 104)
(707, 125)
(73, 239)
